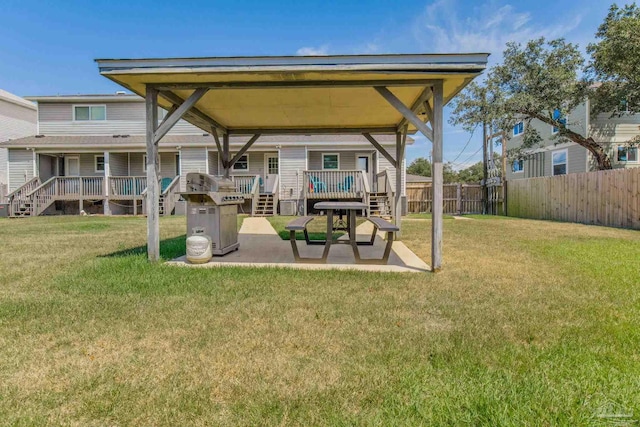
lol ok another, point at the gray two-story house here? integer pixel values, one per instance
(89, 155)
(17, 119)
(554, 158)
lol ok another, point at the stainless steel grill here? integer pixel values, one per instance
(212, 210)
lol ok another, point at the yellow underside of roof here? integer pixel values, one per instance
(306, 107)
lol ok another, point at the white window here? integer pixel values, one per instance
(627, 154)
(330, 161)
(559, 162)
(99, 164)
(144, 163)
(518, 166)
(518, 129)
(242, 164)
(89, 112)
(557, 115)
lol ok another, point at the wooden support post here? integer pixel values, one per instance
(380, 148)
(459, 199)
(153, 191)
(405, 111)
(225, 155)
(437, 167)
(107, 174)
(397, 211)
(244, 149)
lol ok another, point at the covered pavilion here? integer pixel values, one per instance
(347, 94)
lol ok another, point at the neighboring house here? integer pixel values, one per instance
(17, 119)
(90, 154)
(555, 158)
(418, 179)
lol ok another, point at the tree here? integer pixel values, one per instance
(472, 175)
(537, 81)
(420, 166)
(615, 62)
(449, 175)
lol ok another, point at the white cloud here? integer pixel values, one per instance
(313, 51)
(486, 28)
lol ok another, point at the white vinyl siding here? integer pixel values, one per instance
(193, 160)
(123, 118)
(119, 164)
(213, 163)
(383, 164)
(20, 167)
(292, 164)
(3, 166)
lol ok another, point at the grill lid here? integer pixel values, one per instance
(203, 183)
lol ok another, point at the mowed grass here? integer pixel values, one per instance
(529, 323)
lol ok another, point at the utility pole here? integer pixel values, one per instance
(485, 174)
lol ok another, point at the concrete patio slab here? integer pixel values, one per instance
(260, 246)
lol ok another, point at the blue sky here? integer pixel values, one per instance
(48, 46)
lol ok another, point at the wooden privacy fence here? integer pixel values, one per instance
(604, 198)
(458, 198)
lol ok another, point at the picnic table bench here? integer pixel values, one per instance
(379, 224)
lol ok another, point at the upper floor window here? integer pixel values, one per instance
(89, 112)
(557, 115)
(627, 154)
(518, 165)
(330, 161)
(559, 162)
(518, 129)
(242, 164)
(99, 164)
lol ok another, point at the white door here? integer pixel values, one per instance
(363, 163)
(72, 168)
(271, 171)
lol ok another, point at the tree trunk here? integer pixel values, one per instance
(595, 148)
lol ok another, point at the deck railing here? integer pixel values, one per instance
(245, 183)
(334, 184)
(71, 187)
(127, 187)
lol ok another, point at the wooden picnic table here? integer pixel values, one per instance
(351, 209)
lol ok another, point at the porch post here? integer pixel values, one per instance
(397, 212)
(225, 154)
(107, 174)
(436, 222)
(153, 199)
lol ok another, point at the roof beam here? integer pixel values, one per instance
(312, 131)
(422, 98)
(194, 113)
(178, 113)
(216, 138)
(291, 84)
(405, 111)
(381, 149)
(243, 150)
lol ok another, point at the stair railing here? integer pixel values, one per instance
(276, 193)
(367, 192)
(255, 194)
(42, 196)
(169, 196)
(17, 198)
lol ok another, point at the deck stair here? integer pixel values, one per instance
(265, 205)
(379, 204)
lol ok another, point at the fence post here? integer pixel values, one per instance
(459, 199)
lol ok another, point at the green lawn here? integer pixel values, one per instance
(529, 323)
